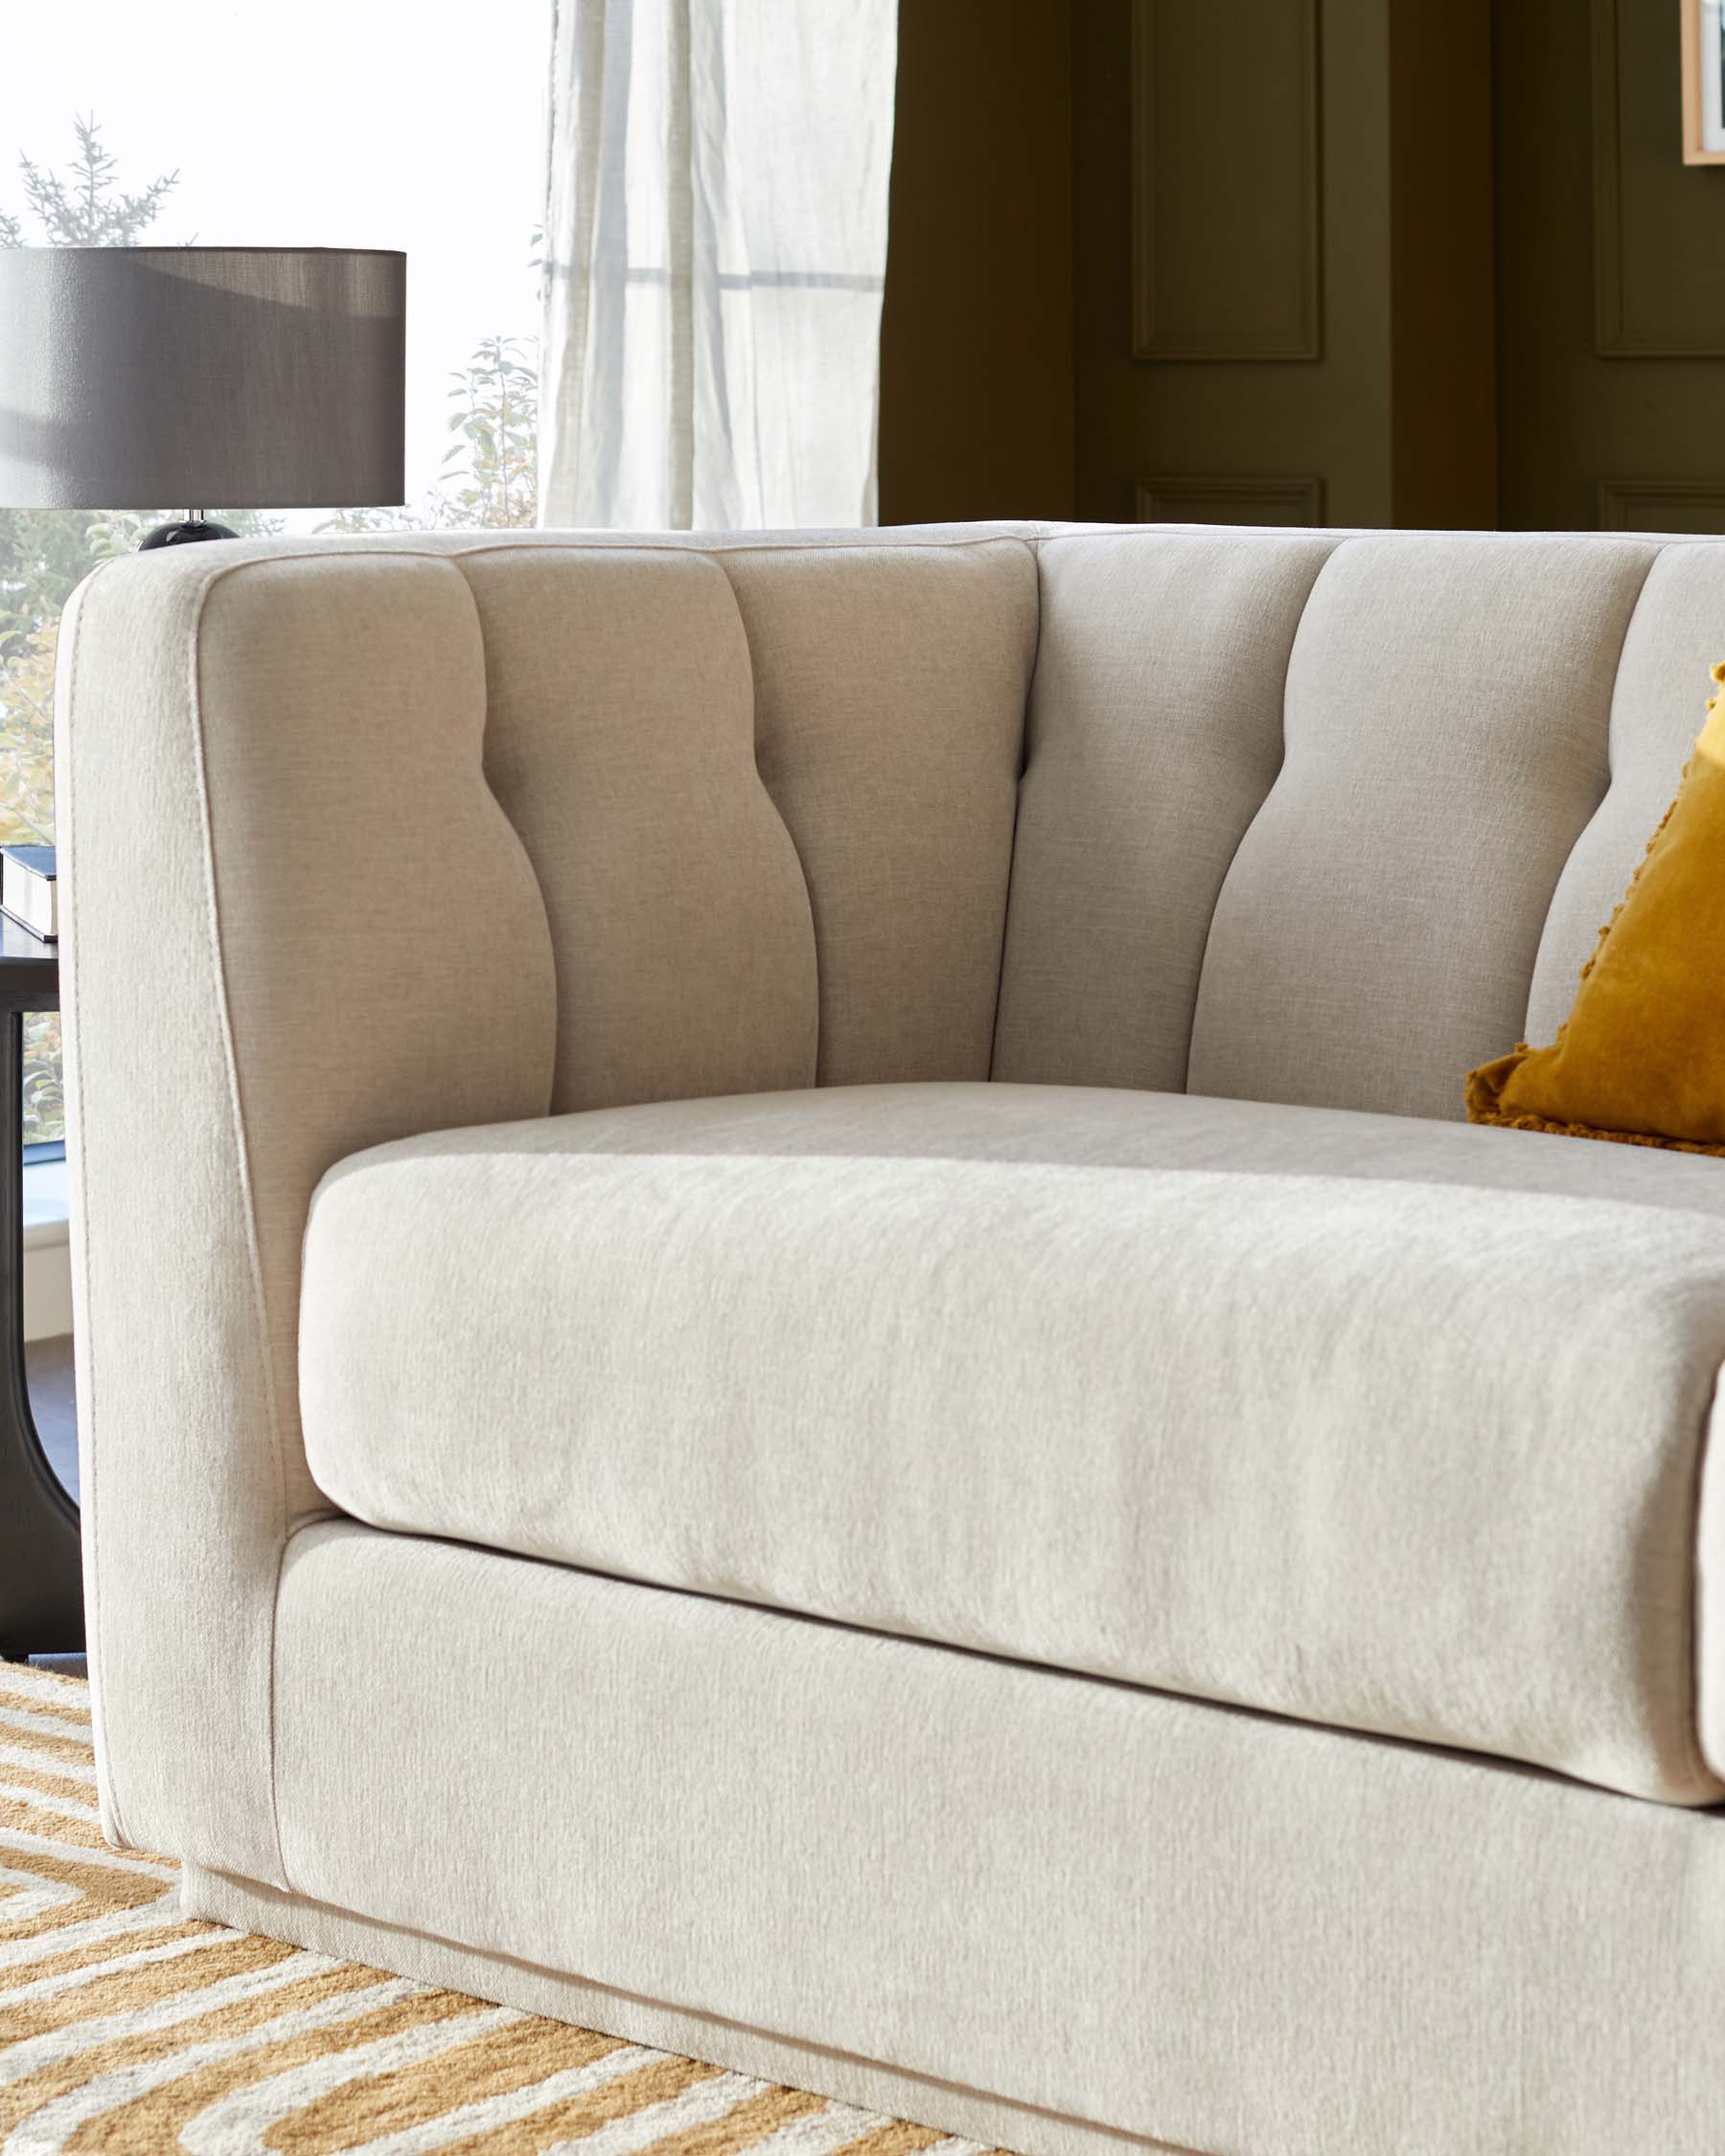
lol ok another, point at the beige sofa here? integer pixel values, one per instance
(786, 1342)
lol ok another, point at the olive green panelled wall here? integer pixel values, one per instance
(1611, 275)
(977, 332)
(1282, 261)
(1352, 261)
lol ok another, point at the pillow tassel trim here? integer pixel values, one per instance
(1581, 1129)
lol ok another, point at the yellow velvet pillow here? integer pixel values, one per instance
(1641, 1056)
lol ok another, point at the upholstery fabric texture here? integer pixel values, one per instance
(260, 1018)
(1444, 746)
(697, 890)
(1122, 1381)
(217, 716)
(1641, 1056)
(889, 723)
(126, 2029)
(679, 914)
(1218, 1930)
(1675, 636)
(1155, 733)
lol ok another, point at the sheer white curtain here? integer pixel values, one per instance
(716, 249)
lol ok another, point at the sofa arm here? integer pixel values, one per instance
(297, 924)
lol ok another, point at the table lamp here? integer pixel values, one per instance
(268, 378)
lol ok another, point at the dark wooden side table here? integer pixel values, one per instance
(41, 1583)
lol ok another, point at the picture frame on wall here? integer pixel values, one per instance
(1703, 81)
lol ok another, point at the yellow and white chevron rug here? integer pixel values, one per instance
(124, 2030)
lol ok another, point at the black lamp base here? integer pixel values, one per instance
(183, 534)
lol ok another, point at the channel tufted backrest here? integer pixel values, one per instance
(1675, 636)
(769, 795)
(440, 830)
(1154, 734)
(1302, 816)
(450, 829)
(1330, 820)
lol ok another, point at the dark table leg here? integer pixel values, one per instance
(41, 1583)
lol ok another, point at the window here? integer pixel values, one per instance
(412, 123)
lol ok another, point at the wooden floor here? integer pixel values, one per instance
(53, 1403)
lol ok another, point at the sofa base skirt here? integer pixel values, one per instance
(249, 1907)
(1023, 1906)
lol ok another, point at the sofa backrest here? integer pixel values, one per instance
(1302, 816)
(768, 797)
(364, 839)
(1330, 819)
(1310, 816)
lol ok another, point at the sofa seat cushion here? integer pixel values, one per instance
(1392, 1425)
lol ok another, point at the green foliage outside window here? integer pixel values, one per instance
(492, 467)
(45, 553)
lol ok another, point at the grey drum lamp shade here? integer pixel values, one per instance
(150, 378)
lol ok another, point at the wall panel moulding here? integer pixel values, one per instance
(1198, 500)
(1226, 246)
(1661, 505)
(1659, 223)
